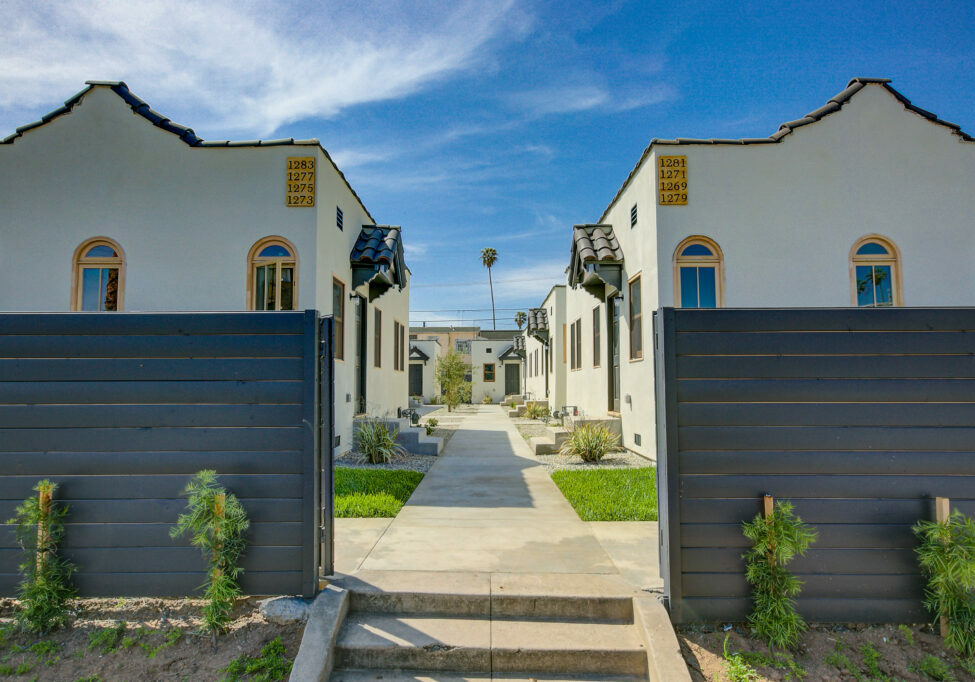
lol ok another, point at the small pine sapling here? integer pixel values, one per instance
(46, 587)
(216, 522)
(777, 538)
(947, 558)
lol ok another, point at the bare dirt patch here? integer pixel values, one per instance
(67, 655)
(838, 652)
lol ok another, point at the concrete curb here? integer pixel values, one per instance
(664, 659)
(316, 655)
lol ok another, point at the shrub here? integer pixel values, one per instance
(947, 558)
(591, 442)
(536, 410)
(46, 586)
(435, 400)
(933, 668)
(216, 522)
(451, 372)
(735, 666)
(776, 541)
(376, 443)
(431, 425)
(486, 400)
(272, 664)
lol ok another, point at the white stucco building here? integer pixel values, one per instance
(423, 365)
(546, 350)
(865, 201)
(107, 205)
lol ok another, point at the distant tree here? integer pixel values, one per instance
(489, 257)
(451, 373)
(520, 318)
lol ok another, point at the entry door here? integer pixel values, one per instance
(360, 354)
(615, 304)
(416, 379)
(512, 382)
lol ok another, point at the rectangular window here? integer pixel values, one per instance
(636, 321)
(633, 217)
(579, 343)
(399, 342)
(338, 218)
(563, 344)
(338, 315)
(595, 336)
(463, 346)
(548, 358)
(575, 345)
(402, 347)
(488, 371)
(697, 287)
(377, 340)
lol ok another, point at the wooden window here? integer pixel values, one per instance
(698, 274)
(548, 357)
(875, 273)
(636, 320)
(575, 345)
(272, 282)
(377, 338)
(489, 371)
(563, 344)
(579, 343)
(595, 336)
(98, 278)
(339, 218)
(338, 317)
(399, 346)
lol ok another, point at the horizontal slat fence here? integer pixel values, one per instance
(122, 409)
(860, 418)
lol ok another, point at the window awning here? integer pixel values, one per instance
(377, 260)
(596, 260)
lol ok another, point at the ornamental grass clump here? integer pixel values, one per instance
(947, 558)
(590, 442)
(46, 587)
(216, 522)
(776, 540)
(536, 410)
(375, 441)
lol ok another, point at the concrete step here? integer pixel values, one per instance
(417, 442)
(420, 642)
(549, 444)
(448, 676)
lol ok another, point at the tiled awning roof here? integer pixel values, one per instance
(537, 324)
(596, 260)
(377, 259)
(519, 342)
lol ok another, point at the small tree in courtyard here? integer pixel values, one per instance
(451, 373)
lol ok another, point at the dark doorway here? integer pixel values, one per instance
(360, 354)
(512, 380)
(614, 304)
(416, 379)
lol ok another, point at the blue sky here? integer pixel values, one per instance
(476, 124)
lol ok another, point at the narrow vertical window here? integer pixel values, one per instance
(272, 280)
(377, 338)
(636, 320)
(338, 218)
(338, 316)
(572, 346)
(579, 343)
(489, 371)
(698, 274)
(99, 274)
(402, 347)
(876, 273)
(595, 336)
(563, 344)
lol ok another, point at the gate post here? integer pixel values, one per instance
(326, 469)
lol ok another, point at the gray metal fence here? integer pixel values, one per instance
(859, 417)
(122, 409)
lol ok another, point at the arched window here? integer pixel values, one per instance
(272, 275)
(875, 273)
(98, 275)
(698, 274)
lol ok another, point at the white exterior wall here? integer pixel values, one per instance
(554, 303)
(484, 351)
(185, 217)
(431, 347)
(786, 216)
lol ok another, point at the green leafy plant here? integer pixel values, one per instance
(375, 441)
(776, 541)
(107, 640)
(431, 425)
(591, 442)
(436, 400)
(486, 400)
(871, 660)
(780, 660)
(535, 410)
(933, 668)
(216, 522)
(271, 665)
(46, 587)
(947, 558)
(451, 373)
(907, 634)
(513, 405)
(968, 665)
(735, 667)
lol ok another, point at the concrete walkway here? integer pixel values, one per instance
(488, 506)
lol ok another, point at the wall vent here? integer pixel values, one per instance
(338, 217)
(633, 216)
(637, 439)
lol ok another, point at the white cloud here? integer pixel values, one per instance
(567, 99)
(248, 66)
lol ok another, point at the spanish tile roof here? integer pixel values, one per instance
(834, 104)
(596, 243)
(377, 245)
(537, 320)
(184, 133)
(519, 343)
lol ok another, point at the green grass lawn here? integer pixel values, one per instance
(372, 493)
(610, 494)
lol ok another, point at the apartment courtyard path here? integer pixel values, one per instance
(488, 573)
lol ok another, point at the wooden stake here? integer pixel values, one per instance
(942, 511)
(44, 513)
(769, 504)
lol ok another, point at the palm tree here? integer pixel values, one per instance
(520, 318)
(489, 257)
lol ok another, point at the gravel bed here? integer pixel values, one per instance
(614, 460)
(411, 462)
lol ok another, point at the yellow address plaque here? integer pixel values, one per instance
(672, 180)
(300, 181)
